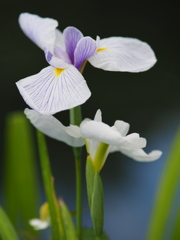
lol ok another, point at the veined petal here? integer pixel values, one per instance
(40, 30)
(122, 127)
(85, 48)
(123, 54)
(54, 61)
(38, 224)
(53, 90)
(71, 37)
(133, 141)
(53, 128)
(61, 54)
(101, 132)
(142, 156)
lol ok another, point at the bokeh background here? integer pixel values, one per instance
(149, 101)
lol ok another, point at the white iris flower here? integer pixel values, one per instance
(100, 139)
(61, 85)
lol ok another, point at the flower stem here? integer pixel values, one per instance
(56, 221)
(75, 119)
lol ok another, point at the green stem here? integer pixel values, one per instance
(98, 238)
(54, 209)
(75, 119)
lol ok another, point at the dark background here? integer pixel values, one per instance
(149, 101)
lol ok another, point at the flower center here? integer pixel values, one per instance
(58, 71)
(101, 49)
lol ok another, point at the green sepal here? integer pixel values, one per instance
(95, 197)
(7, 231)
(70, 231)
(88, 234)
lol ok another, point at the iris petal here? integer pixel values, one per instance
(142, 156)
(53, 90)
(123, 54)
(100, 131)
(122, 127)
(54, 61)
(39, 224)
(98, 116)
(50, 126)
(85, 48)
(133, 141)
(42, 31)
(71, 37)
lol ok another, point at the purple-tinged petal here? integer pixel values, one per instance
(86, 47)
(53, 90)
(40, 30)
(71, 37)
(54, 61)
(53, 128)
(60, 53)
(123, 54)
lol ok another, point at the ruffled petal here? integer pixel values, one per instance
(53, 128)
(133, 141)
(122, 127)
(53, 90)
(40, 30)
(38, 224)
(123, 54)
(71, 37)
(142, 156)
(85, 48)
(101, 132)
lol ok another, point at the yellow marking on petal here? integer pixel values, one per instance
(101, 49)
(58, 71)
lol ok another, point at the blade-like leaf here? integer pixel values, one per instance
(95, 197)
(166, 193)
(7, 231)
(21, 193)
(88, 234)
(68, 223)
(176, 227)
(54, 208)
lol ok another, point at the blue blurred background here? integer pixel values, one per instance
(149, 101)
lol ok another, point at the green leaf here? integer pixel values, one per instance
(95, 197)
(7, 231)
(70, 230)
(20, 190)
(176, 227)
(166, 193)
(54, 208)
(90, 174)
(88, 234)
